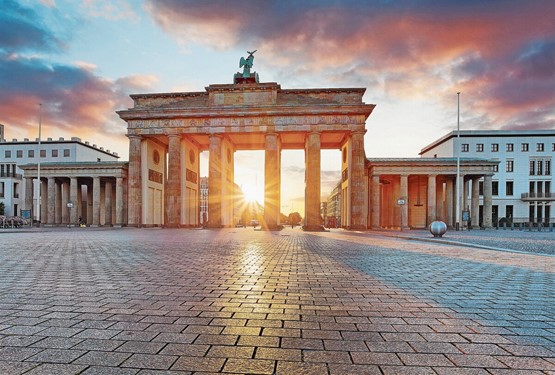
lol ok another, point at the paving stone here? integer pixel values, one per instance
(57, 355)
(199, 364)
(104, 370)
(102, 358)
(149, 361)
(249, 366)
(141, 347)
(58, 369)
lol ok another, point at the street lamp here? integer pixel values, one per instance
(38, 165)
(457, 148)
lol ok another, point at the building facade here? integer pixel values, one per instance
(523, 182)
(15, 153)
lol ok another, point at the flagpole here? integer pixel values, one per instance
(38, 166)
(457, 148)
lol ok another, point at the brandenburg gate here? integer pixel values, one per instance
(167, 131)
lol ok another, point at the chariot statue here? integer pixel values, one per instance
(246, 64)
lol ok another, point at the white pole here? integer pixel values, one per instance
(457, 149)
(38, 165)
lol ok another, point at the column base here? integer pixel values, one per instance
(172, 225)
(314, 228)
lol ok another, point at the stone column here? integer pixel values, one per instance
(51, 205)
(356, 182)
(462, 199)
(89, 203)
(135, 195)
(215, 182)
(375, 202)
(29, 195)
(96, 202)
(488, 201)
(475, 203)
(312, 190)
(119, 202)
(74, 198)
(108, 203)
(439, 199)
(173, 187)
(466, 188)
(43, 196)
(57, 202)
(432, 214)
(65, 200)
(404, 192)
(272, 181)
(449, 209)
(79, 209)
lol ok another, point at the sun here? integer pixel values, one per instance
(253, 193)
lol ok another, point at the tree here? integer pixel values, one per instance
(2, 208)
(295, 218)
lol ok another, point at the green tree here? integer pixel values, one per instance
(2, 208)
(295, 218)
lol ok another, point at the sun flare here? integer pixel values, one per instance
(253, 193)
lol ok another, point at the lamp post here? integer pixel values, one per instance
(457, 182)
(38, 166)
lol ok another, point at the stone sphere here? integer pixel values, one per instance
(438, 228)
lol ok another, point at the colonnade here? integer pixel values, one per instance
(221, 191)
(416, 200)
(97, 201)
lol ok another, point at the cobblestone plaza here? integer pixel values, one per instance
(174, 301)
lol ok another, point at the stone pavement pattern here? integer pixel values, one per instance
(238, 301)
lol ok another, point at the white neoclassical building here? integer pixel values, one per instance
(523, 181)
(16, 153)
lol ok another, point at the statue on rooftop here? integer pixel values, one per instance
(246, 64)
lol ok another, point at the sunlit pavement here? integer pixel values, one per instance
(161, 301)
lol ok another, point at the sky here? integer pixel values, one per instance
(82, 59)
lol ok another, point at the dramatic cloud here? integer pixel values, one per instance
(22, 29)
(72, 97)
(499, 53)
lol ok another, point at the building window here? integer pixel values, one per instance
(8, 154)
(31, 153)
(510, 165)
(54, 153)
(547, 165)
(496, 168)
(481, 188)
(509, 212)
(509, 188)
(495, 147)
(511, 147)
(539, 147)
(532, 167)
(539, 169)
(524, 147)
(464, 147)
(1, 190)
(66, 152)
(495, 188)
(480, 147)
(19, 153)
(42, 153)
(553, 147)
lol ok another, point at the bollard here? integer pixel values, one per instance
(551, 227)
(540, 227)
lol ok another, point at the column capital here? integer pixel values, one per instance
(134, 136)
(358, 132)
(173, 135)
